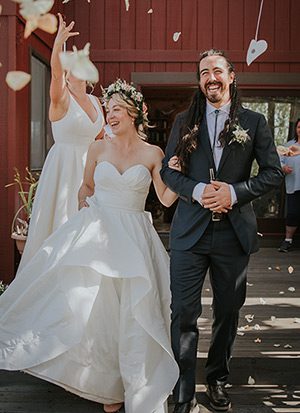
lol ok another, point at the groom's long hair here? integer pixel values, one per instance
(189, 131)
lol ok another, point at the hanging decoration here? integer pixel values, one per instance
(256, 47)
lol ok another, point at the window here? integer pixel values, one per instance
(281, 113)
(41, 136)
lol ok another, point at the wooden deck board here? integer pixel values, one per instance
(275, 370)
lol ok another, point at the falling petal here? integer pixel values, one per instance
(207, 289)
(276, 345)
(65, 1)
(292, 289)
(176, 36)
(48, 23)
(277, 268)
(240, 333)
(297, 320)
(79, 64)
(273, 318)
(127, 5)
(150, 11)
(257, 340)
(260, 234)
(290, 269)
(281, 292)
(287, 346)
(31, 25)
(262, 301)
(257, 327)
(249, 285)
(269, 268)
(16, 80)
(251, 380)
(228, 386)
(249, 317)
(29, 8)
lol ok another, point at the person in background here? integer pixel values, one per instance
(77, 120)
(291, 169)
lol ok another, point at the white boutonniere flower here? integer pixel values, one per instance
(240, 135)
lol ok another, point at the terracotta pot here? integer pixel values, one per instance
(20, 241)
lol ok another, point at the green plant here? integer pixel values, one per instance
(26, 191)
(2, 287)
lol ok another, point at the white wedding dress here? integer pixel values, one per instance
(56, 197)
(90, 312)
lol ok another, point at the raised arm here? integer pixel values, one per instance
(175, 180)
(58, 91)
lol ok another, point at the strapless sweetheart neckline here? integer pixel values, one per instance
(126, 170)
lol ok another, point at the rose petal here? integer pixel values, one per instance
(16, 80)
(30, 26)
(48, 23)
(290, 269)
(249, 285)
(273, 318)
(127, 5)
(281, 292)
(269, 268)
(292, 289)
(257, 340)
(79, 64)
(150, 11)
(240, 333)
(277, 268)
(276, 345)
(251, 380)
(262, 301)
(176, 36)
(287, 346)
(296, 320)
(257, 327)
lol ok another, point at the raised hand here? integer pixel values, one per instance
(64, 32)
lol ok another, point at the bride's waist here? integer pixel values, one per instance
(118, 200)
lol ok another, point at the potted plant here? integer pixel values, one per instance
(2, 287)
(26, 192)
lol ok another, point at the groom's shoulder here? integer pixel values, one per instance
(251, 114)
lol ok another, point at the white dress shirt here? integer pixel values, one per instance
(217, 148)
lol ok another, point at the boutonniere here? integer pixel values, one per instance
(240, 135)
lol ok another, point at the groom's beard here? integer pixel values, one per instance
(214, 96)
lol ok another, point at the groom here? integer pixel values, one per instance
(214, 226)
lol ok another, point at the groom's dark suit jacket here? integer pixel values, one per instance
(190, 219)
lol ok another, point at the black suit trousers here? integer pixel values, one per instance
(220, 252)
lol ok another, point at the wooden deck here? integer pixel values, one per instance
(273, 361)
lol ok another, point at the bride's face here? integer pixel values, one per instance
(118, 118)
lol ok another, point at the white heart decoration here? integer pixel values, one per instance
(255, 49)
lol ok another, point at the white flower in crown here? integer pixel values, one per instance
(240, 135)
(126, 89)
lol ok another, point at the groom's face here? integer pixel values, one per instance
(215, 79)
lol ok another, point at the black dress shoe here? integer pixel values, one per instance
(188, 407)
(218, 397)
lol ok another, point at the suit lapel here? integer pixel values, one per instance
(227, 148)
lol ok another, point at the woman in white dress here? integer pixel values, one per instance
(76, 120)
(90, 312)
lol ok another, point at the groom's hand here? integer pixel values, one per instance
(217, 197)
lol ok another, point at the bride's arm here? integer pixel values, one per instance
(164, 194)
(88, 184)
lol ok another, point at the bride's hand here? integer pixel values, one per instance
(82, 204)
(174, 163)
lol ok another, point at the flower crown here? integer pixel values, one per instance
(128, 92)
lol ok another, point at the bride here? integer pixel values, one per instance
(91, 310)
